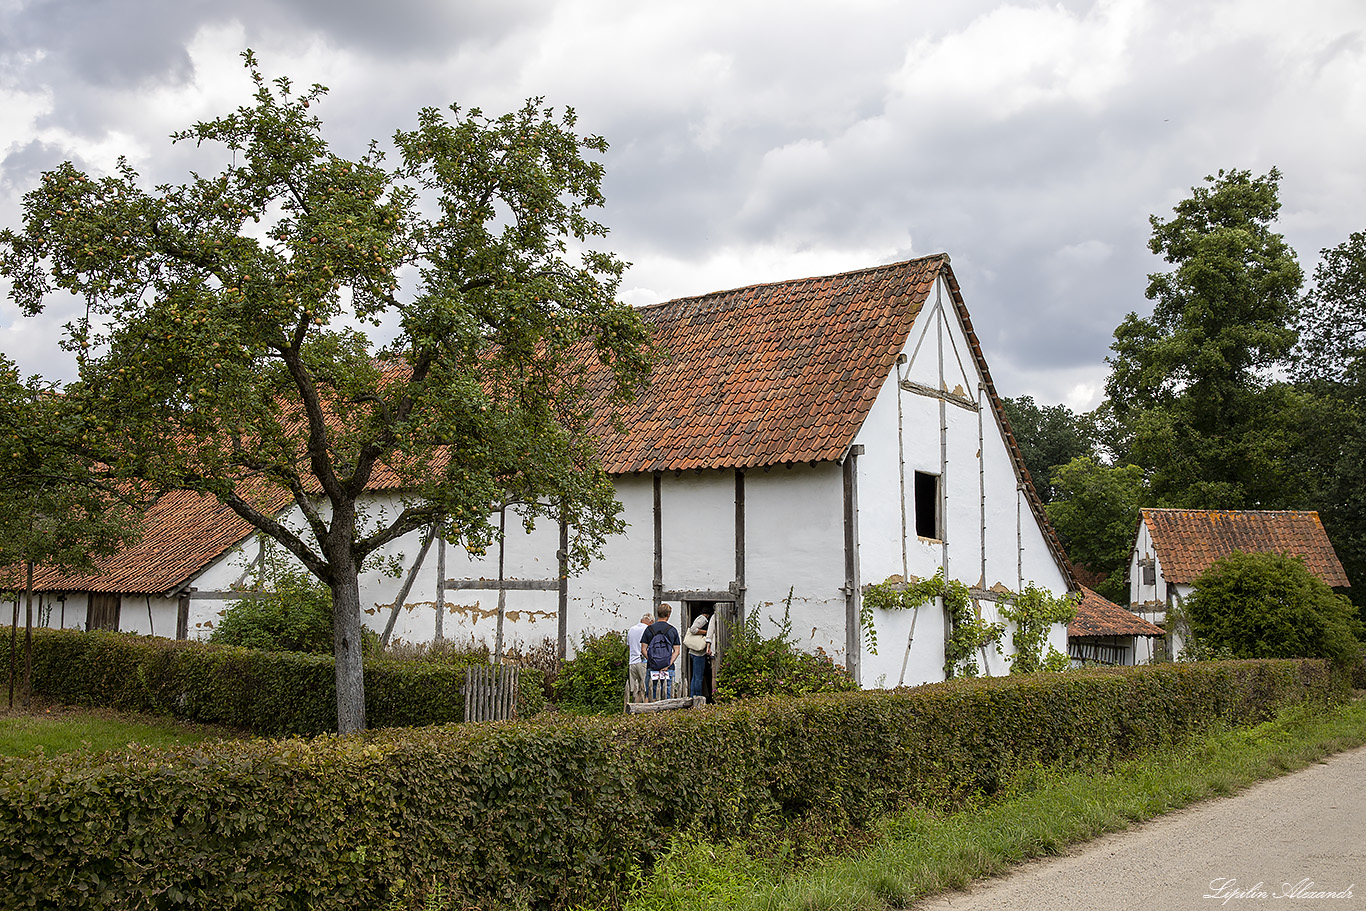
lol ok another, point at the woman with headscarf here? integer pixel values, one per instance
(699, 648)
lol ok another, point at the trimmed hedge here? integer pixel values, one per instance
(273, 693)
(550, 812)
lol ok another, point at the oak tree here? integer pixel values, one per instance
(1329, 365)
(1048, 436)
(1095, 511)
(300, 325)
(1188, 383)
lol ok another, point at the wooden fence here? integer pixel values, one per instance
(490, 693)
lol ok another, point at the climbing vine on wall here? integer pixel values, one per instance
(967, 632)
(1032, 611)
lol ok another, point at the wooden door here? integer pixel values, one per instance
(102, 611)
(724, 613)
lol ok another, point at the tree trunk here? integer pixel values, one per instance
(13, 639)
(28, 636)
(346, 647)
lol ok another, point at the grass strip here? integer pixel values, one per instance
(1040, 813)
(71, 731)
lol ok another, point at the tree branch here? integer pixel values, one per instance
(409, 519)
(291, 542)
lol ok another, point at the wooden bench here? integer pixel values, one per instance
(658, 699)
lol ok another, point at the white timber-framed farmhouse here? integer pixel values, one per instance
(801, 440)
(1173, 547)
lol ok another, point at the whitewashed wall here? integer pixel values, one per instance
(794, 542)
(1151, 601)
(137, 613)
(50, 613)
(990, 539)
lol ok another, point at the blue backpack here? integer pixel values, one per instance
(659, 654)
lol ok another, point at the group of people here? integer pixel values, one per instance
(654, 649)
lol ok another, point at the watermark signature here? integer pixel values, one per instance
(1227, 890)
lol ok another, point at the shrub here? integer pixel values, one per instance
(293, 618)
(290, 612)
(1271, 606)
(557, 812)
(756, 666)
(270, 693)
(594, 680)
(540, 664)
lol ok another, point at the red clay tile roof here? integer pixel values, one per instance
(769, 374)
(758, 376)
(1097, 616)
(182, 533)
(1188, 541)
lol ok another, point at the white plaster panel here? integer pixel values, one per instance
(697, 512)
(903, 660)
(880, 502)
(48, 612)
(221, 575)
(794, 539)
(148, 615)
(614, 592)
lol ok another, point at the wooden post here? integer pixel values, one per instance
(562, 634)
(13, 642)
(739, 546)
(28, 637)
(182, 615)
(502, 589)
(659, 543)
(440, 586)
(853, 631)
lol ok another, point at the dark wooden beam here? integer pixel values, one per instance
(659, 541)
(510, 585)
(739, 546)
(961, 401)
(697, 595)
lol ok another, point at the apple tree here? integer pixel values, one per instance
(300, 325)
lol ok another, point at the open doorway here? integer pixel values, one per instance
(717, 612)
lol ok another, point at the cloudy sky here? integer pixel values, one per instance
(755, 141)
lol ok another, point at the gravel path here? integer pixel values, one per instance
(1296, 841)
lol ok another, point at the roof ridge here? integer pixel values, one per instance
(728, 292)
(1240, 512)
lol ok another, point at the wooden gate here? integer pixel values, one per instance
(490, 692)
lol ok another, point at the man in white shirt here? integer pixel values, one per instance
(639, 673)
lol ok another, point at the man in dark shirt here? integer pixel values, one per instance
(662, 627)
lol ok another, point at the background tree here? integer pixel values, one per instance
(52, 512)
(1095, 512)
(1190, 384)
(226, 349)
(1049, 436)
(1271, 606)
(1330, 370)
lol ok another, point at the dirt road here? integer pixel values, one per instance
(1297, 841)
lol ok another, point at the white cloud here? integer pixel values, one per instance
(757, 140)
(1014, 58)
